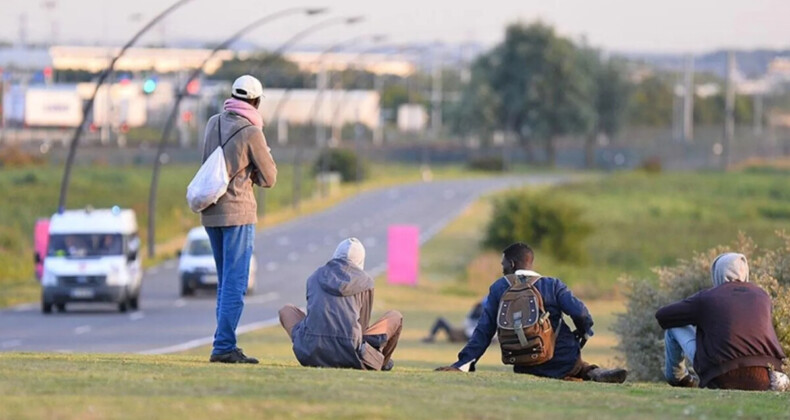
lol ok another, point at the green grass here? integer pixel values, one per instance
(32, 193)
(185, 385)
(642, 221)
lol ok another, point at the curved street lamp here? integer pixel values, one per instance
(183, 93)
(64, 183)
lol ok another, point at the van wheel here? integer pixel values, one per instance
(61, 307)
(122, 305)
(46, 307)
(134, 302)
(186, 290)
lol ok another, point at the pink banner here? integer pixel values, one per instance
(403, 254)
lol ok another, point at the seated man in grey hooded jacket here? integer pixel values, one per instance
(336, 330)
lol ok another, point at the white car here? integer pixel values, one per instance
(196, 266)
(92, 256)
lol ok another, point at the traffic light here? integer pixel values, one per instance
(149, 86)
(193, 87)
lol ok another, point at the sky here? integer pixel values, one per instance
(661, 26)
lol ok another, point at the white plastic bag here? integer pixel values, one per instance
(210, 182)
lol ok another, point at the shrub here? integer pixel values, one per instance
(642, 339)
(651, 165)
(487, 163)
(549, 224)
(16, 157)
(343, 161)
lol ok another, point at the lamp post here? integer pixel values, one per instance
(180, 96)
(64, 183)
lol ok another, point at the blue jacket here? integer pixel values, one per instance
(557, 299)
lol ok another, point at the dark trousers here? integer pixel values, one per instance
(455, 335)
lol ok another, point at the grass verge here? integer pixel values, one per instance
(131, 386)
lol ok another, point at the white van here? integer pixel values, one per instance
(93, 255)
(197, 268)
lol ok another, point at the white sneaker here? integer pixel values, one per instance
(779, 382)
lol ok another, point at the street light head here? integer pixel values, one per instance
(354, 19)
(316, 11)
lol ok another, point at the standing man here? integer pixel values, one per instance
(230, 222)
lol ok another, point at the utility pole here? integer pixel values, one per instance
(729, 112)
(436, 97)
(688, 101)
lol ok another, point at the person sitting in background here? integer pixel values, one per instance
(565, 362)
(457, 335)
(336, 332)
(726, 331)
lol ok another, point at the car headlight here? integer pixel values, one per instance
(115, 279)
(48, 278)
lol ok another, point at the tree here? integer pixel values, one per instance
(650, 103)
(273, 71)
(533, 85)
(611, 90)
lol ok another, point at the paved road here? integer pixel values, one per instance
(286, 255)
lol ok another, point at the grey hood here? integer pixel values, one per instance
(729, 267)
(339, 277)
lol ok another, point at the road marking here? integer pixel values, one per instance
(283, 240)
(208, 340)
(136, 316)
(180, 303)
(271, 266)
(11, 343)
(82, 330)
(293, 256)
(268, 297)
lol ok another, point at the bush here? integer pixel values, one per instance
(487, 163)
(549, 224)
(16, 157)
(651, 165)
(642, 339)
(343, 161)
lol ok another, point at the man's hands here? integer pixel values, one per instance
(581, 337)
(447, 369)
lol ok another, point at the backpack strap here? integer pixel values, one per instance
(519, 328)
(219, 132)
(513, 279)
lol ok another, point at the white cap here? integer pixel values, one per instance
(247, 87)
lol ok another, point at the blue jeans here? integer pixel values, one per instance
(679, 344)
(232, 248)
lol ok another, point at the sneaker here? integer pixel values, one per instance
(234, 356)
(688, 381)
(388, 366)
(428, 339)
(612, 376)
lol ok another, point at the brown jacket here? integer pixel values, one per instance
(249, 161)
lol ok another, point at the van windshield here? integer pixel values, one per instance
(200, 248)
(85, 245)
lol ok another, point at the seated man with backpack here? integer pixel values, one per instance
(525, 309)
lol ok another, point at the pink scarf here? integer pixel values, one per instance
(245, 110)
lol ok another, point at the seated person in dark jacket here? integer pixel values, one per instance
(336, 330)
(557, 299)
(457, 335)
(726, 331)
